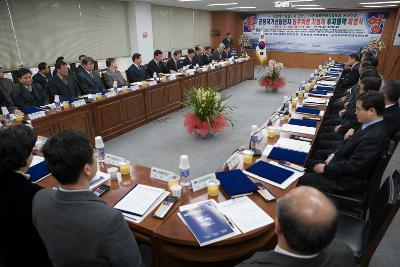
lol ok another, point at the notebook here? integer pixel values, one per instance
(295, 157)
(307, 123)
(38, 169)
(235, 183)
(268, 171)
(315, 92)
(313, 111)
(31, 110)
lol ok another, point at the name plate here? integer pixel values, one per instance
(36, 115)
(78, 103)
(212, 67)
(151, 83)
(201, 182)
(112, 159)
(160, 174)
(110, 94)
(233, 161)
(172, 78)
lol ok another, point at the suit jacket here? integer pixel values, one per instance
(217, 56)
(337, 254)
(207, 59)
(227, 42)
(21, 243)
(4, 102)
(187, 62)
(134, 74)
(79, 229)
(391, 117)
(80, 68)
(65, 91)
(89, 84)
(226, 55)
(349, 77)
(152, 67)
(43, 81)
(22, 98)
(199, 59)
(6, 85)
(171, 65)
(110, 76)
(353, 163)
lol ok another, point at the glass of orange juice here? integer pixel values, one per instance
(213, 187)
(271, 133)
(294, 103)
(125, 170)
(66, 105)
(248, 157)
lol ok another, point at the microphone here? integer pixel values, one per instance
(258, 152)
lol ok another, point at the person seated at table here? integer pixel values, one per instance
(113, 74)
(80, 66)
(174, 64)
(21, 243)
(63, 83)
(28, 94)
(58, 60)
(199, 55)
(228, 39)
(156, 65)
(43, 75)
(136, 72)
(89, 80)
(218, 53)
(348, 169)
(6, 85)
(5, 103)
(189, 59)
(350, 74)
(76, 226)
(207, 57)
(227, 52)
(305, 225)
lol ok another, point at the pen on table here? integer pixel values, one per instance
(229, 221)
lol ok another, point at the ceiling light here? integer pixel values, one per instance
(311, 8)
(382, 6)
(242, 7)
(189, 0)
(223, 4)
(304, 5)
(377, 3)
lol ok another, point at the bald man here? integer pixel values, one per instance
(305, 225)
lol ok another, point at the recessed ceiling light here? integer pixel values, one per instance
(223, 4)
(382, 6)
(190, 0)
(377, 3)
(304, 5)
(242, 7)
(311, 8)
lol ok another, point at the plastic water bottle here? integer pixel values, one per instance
(184, 171)
(254, 137)
(6, 115)
(115, 85)
(286, 103)
(57, 102)
(100, 151)
(155, 76)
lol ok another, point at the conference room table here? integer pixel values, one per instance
(171, 242)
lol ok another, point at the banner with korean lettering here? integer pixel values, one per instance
(322, 32)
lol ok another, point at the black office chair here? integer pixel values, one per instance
(364, 236)
(358, 204)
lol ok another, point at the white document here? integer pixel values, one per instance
(292, 144)
(315, 100)
(233, 161)
(245, 214)
(36, 160)
(139, 199)
(299, 129)
(100, 178)
(327, 83)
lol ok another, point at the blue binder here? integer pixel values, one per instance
(38, 171)
(313, 111)
(292, 156)
(307, 123)
(271, 172)
(31, 110)
(324, 88)
(235, 183)
(318, 92)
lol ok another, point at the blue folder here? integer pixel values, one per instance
(38, 171)
(324, 88)
(292, 156)
(235, 183)
(318, 92)
(271, 172)
(313, 111)
(31, 110)
(338, 65)
(307, 123)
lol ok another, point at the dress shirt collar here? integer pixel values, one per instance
(89, 72)
(27, 176)
(388, 106)
(29, 88)
(367, 124)
(44, 76)
(137, 66)
(73, 190)
(280, 250)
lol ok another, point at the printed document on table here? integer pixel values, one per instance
(315, 100)
(245, 214)
(139, 199)
(298, 129)
(292, 144)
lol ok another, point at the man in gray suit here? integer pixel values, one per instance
(305, 225)
(113, 74)
(77, 227)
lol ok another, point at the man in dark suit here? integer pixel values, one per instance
(228, 40)
(4, 102)
(218, 53)
(28, 94)
(350, 75)
(58, 60)
(136, 72)
(227, 52)
(113, 74)
(174, 64)
(89, 80)
(207, 57)
(80, 68)
(20, 242)
(348, 169)
(42, 77)
(189, 59)
(63, 84)
(391, 115)
(156, 65)
(76, 226)
(305, 224)
(6, 85)
(199, 55)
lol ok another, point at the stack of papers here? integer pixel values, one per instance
(140, 201)
(292, 144)
(315, 100)
(299, 129)
(328, 83)
(100, 178)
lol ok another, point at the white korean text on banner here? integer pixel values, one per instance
(325, 32)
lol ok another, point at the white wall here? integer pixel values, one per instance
(140, 22)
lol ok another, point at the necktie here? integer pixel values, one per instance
(29, 88)
(91, 75)
(64, 81)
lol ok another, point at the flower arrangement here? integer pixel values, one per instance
(244, 42)
(272, 77)
(376, 44)
(209, 113)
